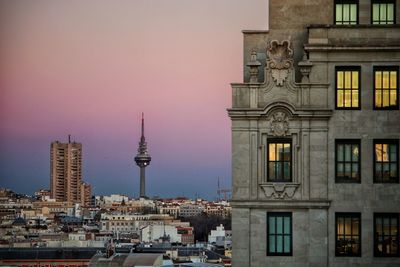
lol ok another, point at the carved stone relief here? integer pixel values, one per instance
(279, 124)
(279, 190)
(280, 60)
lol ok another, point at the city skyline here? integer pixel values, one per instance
(89, 70)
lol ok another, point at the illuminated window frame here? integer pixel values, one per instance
(338, 15)
(382, 6)
(353, 216)
(395, 90)
(340, 93)
(353, 143)
(395, 161)
(395, 227)
(273, 235)
(281, 161)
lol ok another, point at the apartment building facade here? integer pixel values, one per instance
(315, 137)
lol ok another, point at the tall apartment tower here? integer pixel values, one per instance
(315, 137)
(66, 171)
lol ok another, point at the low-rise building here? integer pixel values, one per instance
(220, 237)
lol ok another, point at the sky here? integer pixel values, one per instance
(90, 68)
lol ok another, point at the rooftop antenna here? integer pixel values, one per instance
(219, 192)
(142, 124)
(69, 138)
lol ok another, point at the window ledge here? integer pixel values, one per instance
(279, 190)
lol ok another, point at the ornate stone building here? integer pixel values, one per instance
(315, 137)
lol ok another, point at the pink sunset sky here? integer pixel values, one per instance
(89, 68)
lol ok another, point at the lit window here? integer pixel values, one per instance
(383, 12)
(348, 234)
(386, 161)
(279, 234)
(348, 161)
(385, 87)
(279, 161)
(347, 87)
(386, 238)
(346, 12)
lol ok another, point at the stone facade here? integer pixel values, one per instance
(289, 93)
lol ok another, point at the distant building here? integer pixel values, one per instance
(66, 172)
(131, 223)
(220, 237)
(86, 194)
(43, 194)
(190, 210)
(187, 234)
(161, 233)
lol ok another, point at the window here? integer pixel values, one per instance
(348, 234)
(348, 161)
(279, 234)
(386, 235)
(347, 87)
(279, 160)
(385, 87)
(346, 12)
(386, 161)
(383, 12)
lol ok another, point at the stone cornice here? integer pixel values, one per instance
(305, 112)
(281, 204)
(326, 48)
(356, 26)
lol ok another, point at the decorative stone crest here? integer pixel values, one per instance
(280, 60)
(279, 123)
(279, 190)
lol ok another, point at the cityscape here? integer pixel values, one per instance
(127, 140)
(68, 215)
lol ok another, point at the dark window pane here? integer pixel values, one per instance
(347, 161)
(279, 234)
(386, 242)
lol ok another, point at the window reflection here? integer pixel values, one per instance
(279, 234)
(383, 12)
(386, 242)
(345, 12)
(347, 161)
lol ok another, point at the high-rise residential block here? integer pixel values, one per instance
(66, 171)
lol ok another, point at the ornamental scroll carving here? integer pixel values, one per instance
(279, 123)
(280, 60)
(279, 190)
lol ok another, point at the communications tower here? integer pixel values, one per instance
(142, 159)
